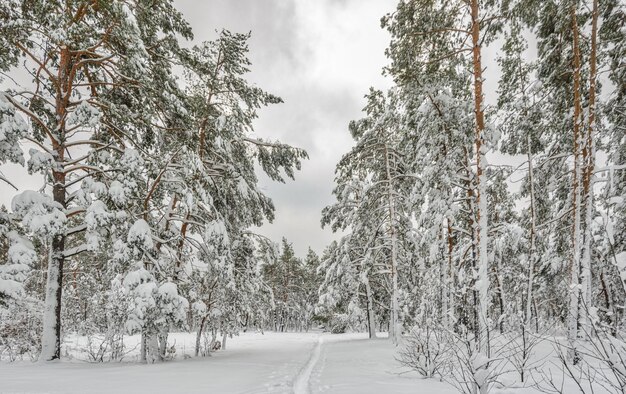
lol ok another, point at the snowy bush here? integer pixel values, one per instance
(471, 371)
(600, 362)
(426, 350)
(339, 323)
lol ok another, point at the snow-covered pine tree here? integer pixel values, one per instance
(136, 169)
(211, 167)
(426, 38)
(438, 117)
(311, 284)
(571, 51)
(372, 193)
(95, 71)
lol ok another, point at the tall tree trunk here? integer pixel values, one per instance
(471, 207)
(572, 321)
(449, 285)
(481, 185)
(589, 158)
(533, 242)
(180, 247)
(394, 328)
(51, 333)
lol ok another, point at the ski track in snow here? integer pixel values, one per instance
(301, 383)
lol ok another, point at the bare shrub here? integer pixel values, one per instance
(426, 350)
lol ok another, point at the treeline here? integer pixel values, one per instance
(294, 283)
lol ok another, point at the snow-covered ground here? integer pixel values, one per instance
(252, 363)
(299, 363)
(350, 363)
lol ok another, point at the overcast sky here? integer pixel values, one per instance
(320, 56)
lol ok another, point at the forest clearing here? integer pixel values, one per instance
(169, 225)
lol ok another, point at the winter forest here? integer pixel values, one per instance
(476, 224)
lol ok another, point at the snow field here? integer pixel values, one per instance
(252, 363)
(255, 363)
(351, 363)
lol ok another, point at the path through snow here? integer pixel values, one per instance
(302, 381)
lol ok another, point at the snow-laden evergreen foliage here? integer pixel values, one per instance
(485, 248)
(149, 184)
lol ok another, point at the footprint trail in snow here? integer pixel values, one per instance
(301, 383)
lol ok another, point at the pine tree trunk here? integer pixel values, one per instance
(471, 207)
(588, 179)
(443, 290)
(51, 333)
(180, 248)
(481, 186)
(572, 321)
(394, 328)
